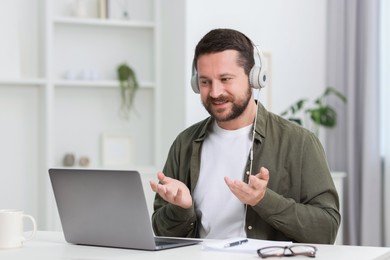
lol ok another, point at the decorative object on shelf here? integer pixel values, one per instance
(116, 150)
(119, 9)
(129, 86)
(84, 74)
(321, 114)
(70, 75)
(69, 160)
(103, 9)
(80, 8)
(84, 161)
(89, 74)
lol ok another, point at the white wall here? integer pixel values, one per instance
(293, 31)
(19, 107)
(19, 33)
(19, 110)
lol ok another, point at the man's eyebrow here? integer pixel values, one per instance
(227, 75)
(221, 75)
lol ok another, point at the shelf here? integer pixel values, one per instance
(96, 83)
(58, 104)
(22, 82)
(71, 83)
(103, 22)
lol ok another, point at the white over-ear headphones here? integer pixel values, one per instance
(257, 75)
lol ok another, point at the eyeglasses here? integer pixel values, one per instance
(295, 250)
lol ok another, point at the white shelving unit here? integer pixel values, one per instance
(82, 44)
(71, 114)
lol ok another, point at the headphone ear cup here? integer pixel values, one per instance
(263, 78)
(194, 79)
(258, 74)
(194, 83)
(254, 77)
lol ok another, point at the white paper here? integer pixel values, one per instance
(249, 247)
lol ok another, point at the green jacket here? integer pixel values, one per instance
(301, 203)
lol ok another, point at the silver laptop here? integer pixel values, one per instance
(106, 208)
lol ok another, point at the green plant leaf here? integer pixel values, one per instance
(294, 108)
(320, 113)
(128, 85)
(331, 90)
(325, 116)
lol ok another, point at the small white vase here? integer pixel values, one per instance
(80, 8)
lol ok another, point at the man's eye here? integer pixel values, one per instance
(204, 82)
(225, 79)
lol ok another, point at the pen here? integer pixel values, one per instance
(236, 243)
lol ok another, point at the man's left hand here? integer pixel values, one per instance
(253, 192)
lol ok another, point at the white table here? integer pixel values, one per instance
(51, 245)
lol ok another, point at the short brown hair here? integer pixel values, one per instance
(219, 40)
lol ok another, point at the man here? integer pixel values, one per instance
(213, 187)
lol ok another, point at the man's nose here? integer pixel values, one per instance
(216, 89)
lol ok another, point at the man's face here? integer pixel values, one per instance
(223, 85)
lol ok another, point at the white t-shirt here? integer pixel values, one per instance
(224, 153)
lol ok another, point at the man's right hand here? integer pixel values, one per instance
(172, 190)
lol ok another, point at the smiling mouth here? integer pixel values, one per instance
(219, 102)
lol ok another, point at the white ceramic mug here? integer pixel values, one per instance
(12, 227)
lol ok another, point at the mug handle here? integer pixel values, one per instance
(34, 227)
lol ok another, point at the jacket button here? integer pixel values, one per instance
(250, 227)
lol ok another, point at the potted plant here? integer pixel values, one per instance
(128, 85)
(320, 113)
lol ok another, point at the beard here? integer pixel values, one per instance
(236, 109)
